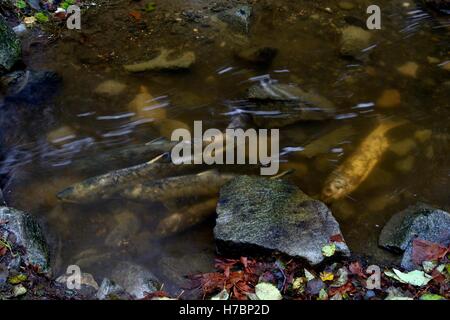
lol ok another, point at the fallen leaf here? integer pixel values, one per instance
(309, 276)
(323, 295)
(17, 278)
(329, 250)
(431, 296)
(223, 295)
(299, 284)
(427, 251)
(136, 15)
(326, 276)
(428, 266)
(337, 238)
(347, 288)
(3, 250)
(416, 278)
(355, 268)
(267, 291)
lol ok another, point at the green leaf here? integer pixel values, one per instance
(416, 278)
(21, 4)
(223, 295)
(309, 276)
(150, 7)
(431, 296)
(329, 250)
(323, 295)
(41, 17)
(19, 290)
(66, 4)
(17, 278)
(267, 291)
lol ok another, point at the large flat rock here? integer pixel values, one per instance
(257, 213)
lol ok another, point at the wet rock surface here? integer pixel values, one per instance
(273, 215)
(10, 47)
(31, 87)
(420, 221)
(135, 279)
(237, 18)
(23, 230)
(109, 290)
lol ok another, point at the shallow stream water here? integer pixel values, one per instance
(88, 129)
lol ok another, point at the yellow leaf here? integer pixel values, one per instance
(326, 276)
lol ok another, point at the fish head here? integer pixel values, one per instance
(335, 188)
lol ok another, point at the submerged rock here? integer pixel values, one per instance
(164, 62)
(22, 229)
(135, 279)
(88, 287)
(110, 87)
(354, 40)
(279, 105)
(238, 18)
(258, 55)
(419, 221)
(10, 47)
(109, 290)
(31, 87)
(273, 215)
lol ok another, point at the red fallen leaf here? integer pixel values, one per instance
(439, 277)
(346, 288)
(156, 294)
(136, 15)
(355, 268)
(337, 238)
(427, 251)
(244, 262)
(226, 272)
(3, 251)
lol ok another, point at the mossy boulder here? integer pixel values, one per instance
(260, 214)
(10, 47)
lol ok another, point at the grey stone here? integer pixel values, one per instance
(238, 18)
(420, 221)
(10, 47)
(109, 290)
(135, 279)
(273, 215)
(26, 233)
(314, 286)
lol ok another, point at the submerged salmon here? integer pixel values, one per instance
(207, 183)
(355, 169)
(186, 218)
(106, 185)
(145, 106)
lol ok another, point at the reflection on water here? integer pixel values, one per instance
(108, 119)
